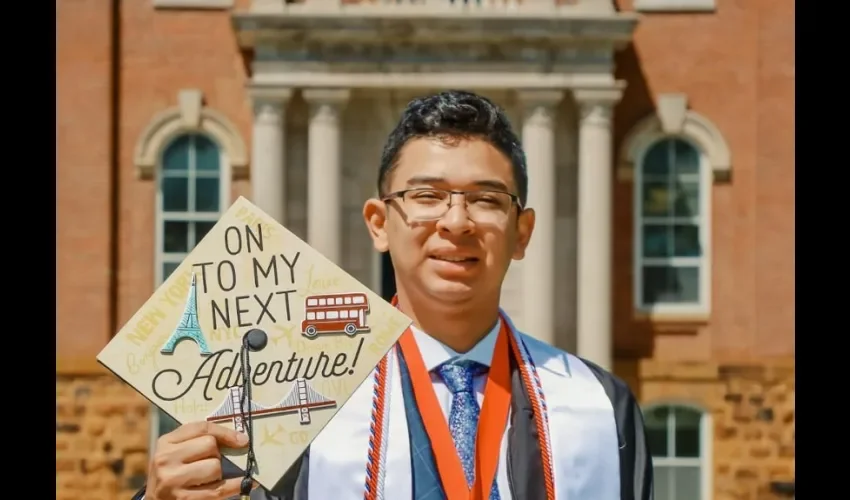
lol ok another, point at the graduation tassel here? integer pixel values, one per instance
(254, 340)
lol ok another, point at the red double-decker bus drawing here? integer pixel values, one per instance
(335, 313)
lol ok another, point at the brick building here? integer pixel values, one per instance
(659, 133)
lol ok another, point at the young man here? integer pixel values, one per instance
(549, 426)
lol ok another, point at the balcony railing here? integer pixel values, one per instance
(462, 4)
(481, 3)
(455, 19)
(401, 7)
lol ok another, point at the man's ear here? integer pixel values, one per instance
(525, 226)
(375, 216)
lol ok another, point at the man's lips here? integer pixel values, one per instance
(454, 258)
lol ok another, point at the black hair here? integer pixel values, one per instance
(454, 115)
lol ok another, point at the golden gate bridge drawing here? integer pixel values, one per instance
(301, 399)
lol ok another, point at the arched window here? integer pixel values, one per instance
(673, 157)
(680, 442)
(672, 190)
(191, 196)
(192, 152)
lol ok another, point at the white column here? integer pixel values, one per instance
(324, 171)
(268, 148)
(538, 266)
(595, 208)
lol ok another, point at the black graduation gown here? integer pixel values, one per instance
(526, 471)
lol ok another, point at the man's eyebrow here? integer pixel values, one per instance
(487, 183)
(424, 179)
(492, 184)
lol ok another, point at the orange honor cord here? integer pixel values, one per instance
(491, 427)
(494, 416)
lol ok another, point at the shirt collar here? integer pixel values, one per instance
(435, 353)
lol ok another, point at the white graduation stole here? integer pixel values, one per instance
(582, 434)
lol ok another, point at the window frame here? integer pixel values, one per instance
(703, 305)
(161, 257)
(706, 442)
(675, 5)
(193, 4)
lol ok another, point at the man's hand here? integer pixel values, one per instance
(186, 464)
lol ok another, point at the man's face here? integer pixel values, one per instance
(455, 258)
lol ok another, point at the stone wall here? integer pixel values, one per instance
(752, 407)
(101, 438)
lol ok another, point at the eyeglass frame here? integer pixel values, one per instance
(400, 194)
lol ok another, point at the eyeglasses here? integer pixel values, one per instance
(429, 204)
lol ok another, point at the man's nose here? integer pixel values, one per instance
(456, 220)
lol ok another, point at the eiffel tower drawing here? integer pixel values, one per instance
(189, 327)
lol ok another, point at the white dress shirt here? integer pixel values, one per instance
(435, 353)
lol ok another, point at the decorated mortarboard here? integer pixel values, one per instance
(258, 332)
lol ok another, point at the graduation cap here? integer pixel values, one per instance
(256, 331)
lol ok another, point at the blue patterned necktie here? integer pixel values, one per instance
(463, 417)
